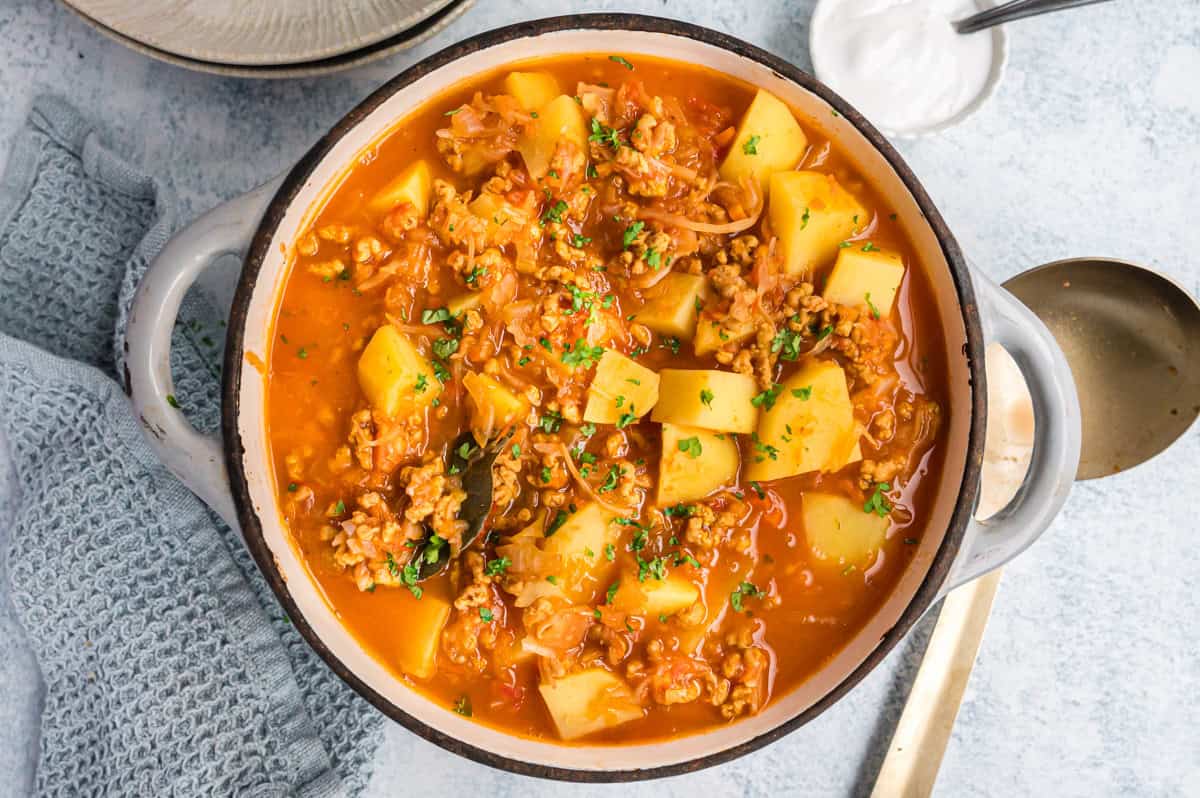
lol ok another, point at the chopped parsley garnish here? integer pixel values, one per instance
(422, 383)
(691, 446)
(766, 449)
(750, 146)
(766, 399)
(591, 172)
(653, 259)
(440, 371)
(445, 347)
(581, 355)
(552, 579)
(619, 60)
(453, 111)
(560, 518)
(680, 511)
(627, 418)
(393, 569)
(825, 332)
(476, 273)
(434, 315)
(302, 354)
(610, 552)
(757, 488)
(555, 212)
(486, 615)
(871, 305)
(497, 566)
(845, 245)
(546, 474)
(611, 593)
(878, 503)
(610, 482)
(744, 590)
(545, 344)
(787, 343)
(172, 401)
(680, 559)
(656, 568)
(706, 398)
(433, 548)
(551, 421)
(803, 394)
(804, 219)
(409, 577)
(869, 247)
(339, 508)
(604, 134)
(588, 430)
(463, 706)
(293, 487)
(464, 451)
(579, 241)
(672, 343)
(631, 233)
(524, 361)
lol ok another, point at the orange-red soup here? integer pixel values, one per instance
(669, 549)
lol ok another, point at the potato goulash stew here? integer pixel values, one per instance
(697, 352)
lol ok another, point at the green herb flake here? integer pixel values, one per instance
(744, 590)
(766, 399)
(516, 451)
(869, 247)
(579, 241)
(497, 567)
(757, 488)
(172, 401)
(422, 383)
(750, 146)
(610, 552)
(803, 394)
(691, 447)
(616, 59)
(611, 593)
(293, 487)
(878, 503)
(551, 421)
(463, 706)
(486, 615)
(631, 233)
(555, 212)
(706, 398)
(435, 315)
(871, 305)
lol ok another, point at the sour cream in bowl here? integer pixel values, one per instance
(901, 62)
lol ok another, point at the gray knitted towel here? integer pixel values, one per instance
(169, 669)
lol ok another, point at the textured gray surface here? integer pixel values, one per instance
(1088, 683)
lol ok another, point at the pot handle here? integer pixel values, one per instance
(198, 460)
(989, 544)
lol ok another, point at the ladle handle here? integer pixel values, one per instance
(989, 544)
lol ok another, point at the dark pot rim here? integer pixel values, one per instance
(292, 186)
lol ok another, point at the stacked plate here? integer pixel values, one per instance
(269, 38)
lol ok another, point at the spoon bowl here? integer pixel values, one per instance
(1132, 338)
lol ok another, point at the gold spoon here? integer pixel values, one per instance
(1132, 338)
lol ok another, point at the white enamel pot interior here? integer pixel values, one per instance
(281, 211)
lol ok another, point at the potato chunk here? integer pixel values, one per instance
(621, 387)
(676, 309)
(393, 375)
(694, 463)
(768, 140)
(558, 119)
(669, 596)
(424, 620)
(810, 428)
(580, 540)
(532, 90)
(707, 398)
(712, 335)
(865, 279)
(588, 701)
(494, 402)
(840, 532)
(812, 215)
(411, 185)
